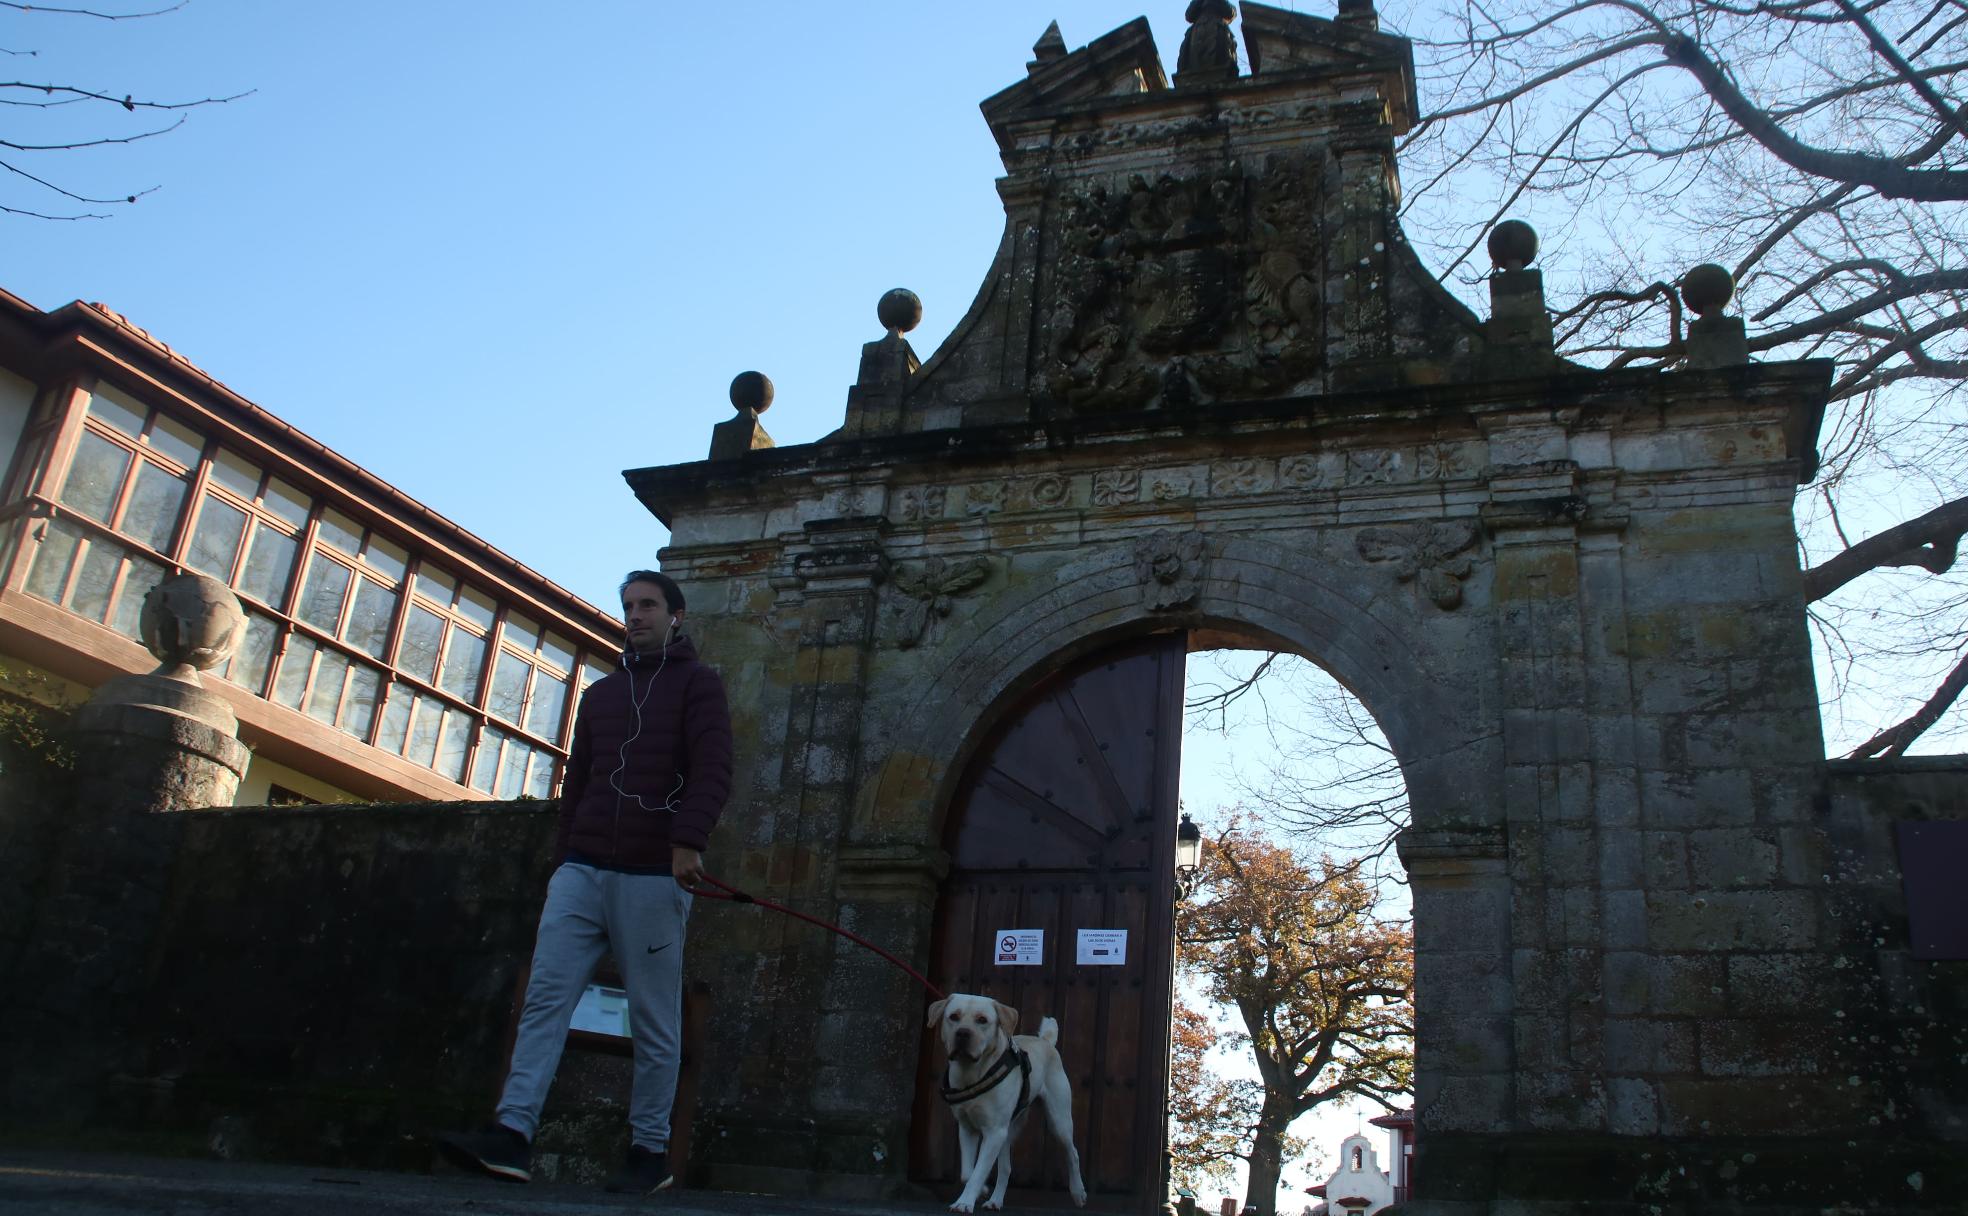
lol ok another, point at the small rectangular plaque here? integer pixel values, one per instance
(1103, 948)
(1020, 947)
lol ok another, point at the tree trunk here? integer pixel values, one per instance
(1267, 1161)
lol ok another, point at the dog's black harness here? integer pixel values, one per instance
(999, 1070)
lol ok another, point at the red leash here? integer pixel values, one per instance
(726, 891)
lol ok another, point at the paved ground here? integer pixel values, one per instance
(59, 1184)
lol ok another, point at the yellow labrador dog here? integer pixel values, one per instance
(991, 1083)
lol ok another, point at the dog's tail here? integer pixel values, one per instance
(1049, 1030)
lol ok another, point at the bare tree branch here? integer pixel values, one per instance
(1890, 178)
(1896, 739)
(1818, 147)
(89, 12)
(1906, 71)
(127, 102)
(1930, 542)
(69, 193)
(33, 102)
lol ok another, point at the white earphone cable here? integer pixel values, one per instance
(636, 703)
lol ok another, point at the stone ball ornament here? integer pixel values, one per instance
(1707, 289)
(192, 623)
(1513, 244)
(751, 391)
(899, 311)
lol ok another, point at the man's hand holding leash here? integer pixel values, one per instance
(686, 866)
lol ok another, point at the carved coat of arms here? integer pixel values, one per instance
(1183, 290)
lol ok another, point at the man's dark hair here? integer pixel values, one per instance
(672, 594)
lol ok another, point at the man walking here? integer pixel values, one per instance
(644, 786)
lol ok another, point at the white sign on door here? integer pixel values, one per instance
(1103, 947)
(1020, 947)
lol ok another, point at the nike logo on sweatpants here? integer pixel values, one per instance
(656, 949)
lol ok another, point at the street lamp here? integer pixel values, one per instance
(1188, 856)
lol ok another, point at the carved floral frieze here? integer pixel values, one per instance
(1170, 568)
(1233, 477)
(1050, 491)
(986, 497)
(1116, 487)
(1447, 461)
(1212, 124)
(921, 503)
(1167, 485)
(1301, 473)
(1242, 476)
(1374, 467)
(929, 589)
(1433, 553)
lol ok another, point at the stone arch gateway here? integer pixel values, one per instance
(1207, 387)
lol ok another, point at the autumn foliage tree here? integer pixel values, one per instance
(1316, 985)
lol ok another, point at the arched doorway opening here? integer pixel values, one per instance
(1061, 901)
(1063, 826)
(1294, 975)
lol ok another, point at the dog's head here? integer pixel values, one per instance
(969, 1025)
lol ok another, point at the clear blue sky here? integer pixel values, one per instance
(498, 252)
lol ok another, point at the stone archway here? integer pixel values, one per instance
(1206, 385)
(1439, 722)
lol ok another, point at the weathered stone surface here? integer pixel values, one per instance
(334, 981)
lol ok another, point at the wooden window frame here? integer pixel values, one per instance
(43, 462)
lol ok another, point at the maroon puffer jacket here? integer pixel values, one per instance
(651, 771)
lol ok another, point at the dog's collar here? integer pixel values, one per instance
(1000, 1069)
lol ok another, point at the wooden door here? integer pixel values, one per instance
(1066, 821)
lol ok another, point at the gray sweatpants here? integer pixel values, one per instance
(640, 919)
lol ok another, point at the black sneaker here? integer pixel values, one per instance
(644, 1173)
(496, 1149)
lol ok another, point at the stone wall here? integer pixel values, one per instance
(322, 984)
(1792, 1053)
(34, 785)
(1906, 1024)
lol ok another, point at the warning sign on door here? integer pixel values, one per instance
(1103, 947)
(1021, 947)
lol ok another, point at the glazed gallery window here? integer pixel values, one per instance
(250, 663)
(425, 729)
(445, 634)
(131, 473)
(447, 625)
(507, 766)
(248, 531)
(343, 623)
(531, 677)
(350, 593)
(92, 576)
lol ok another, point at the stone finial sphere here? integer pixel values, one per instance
(1707, 288)
(900, 311)
(1513, 244)
(751, 391)
(192, 621)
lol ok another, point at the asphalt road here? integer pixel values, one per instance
(58, 1184)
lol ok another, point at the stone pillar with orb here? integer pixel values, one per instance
(143, 745)
(163, 741)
